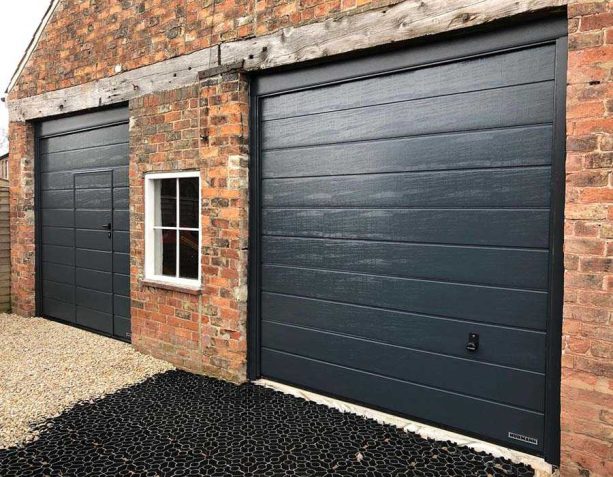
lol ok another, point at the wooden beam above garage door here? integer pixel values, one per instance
(404, 21)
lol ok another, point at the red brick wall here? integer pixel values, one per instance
(86, 39)
(21, 182)
(201, 127)
(587, 374)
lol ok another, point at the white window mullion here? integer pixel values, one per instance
(178, 234)
(157, 195)
(177, 253)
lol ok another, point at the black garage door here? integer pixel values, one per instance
(406, 230)
(84, 262)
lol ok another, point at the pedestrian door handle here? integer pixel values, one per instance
(108, 227)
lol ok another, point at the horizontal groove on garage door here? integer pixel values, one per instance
(121, 220)
(504, 107)
(59, 291)
(93, 198)
(59, 254)
(121, 263)
(103, 156)
(95, 320)
(514, 228)
(490, 188)
(513, 307)
(515, 347)
(431, 404)
(121, 284)
(103, 137)
(69, 124)
(94, 260)
(58, 218)
(528, 65)
(95, 300)
(58, 273)
(64, 179)
(94, 239)
(92, 219)
(94, 280)
(512, 147)
(57, 199)
(59, 309)
(524, 268)
(496, 383)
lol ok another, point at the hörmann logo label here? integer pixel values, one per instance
(519, 437)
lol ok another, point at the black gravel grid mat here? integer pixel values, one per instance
(180, 424)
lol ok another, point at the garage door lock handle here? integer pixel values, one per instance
(108, 227)
(473, 342)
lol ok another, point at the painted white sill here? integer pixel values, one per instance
(193, 287)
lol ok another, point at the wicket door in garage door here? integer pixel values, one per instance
(405, 230)
(84, 221)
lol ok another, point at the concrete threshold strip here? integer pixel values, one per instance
(541, 468)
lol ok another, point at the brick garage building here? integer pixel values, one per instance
(201, 111)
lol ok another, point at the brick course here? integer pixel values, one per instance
(205, 127)
(587, 361)
(21, 184)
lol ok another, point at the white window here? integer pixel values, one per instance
(172, 228)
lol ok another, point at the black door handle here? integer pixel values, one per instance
(473, 342)
(108, 227)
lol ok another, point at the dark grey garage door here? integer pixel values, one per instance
(405, 231)
(84, 262)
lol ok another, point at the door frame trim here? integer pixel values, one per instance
(38, 228)
(553, 350)
(552, 30)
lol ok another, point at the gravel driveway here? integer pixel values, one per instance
(47, 367)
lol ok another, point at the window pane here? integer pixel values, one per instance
(166, 252)
(188, 199)
(188, 254)
(166, 202)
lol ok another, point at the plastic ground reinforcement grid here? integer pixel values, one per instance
(180, 424)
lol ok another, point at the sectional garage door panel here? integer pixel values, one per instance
(519, 228)
(523, 267)
(400, 213)
(483, 304)
(507, 69)
(526, 146)
(493, 188)
(82, 172)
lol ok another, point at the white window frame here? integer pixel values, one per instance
(150, 228)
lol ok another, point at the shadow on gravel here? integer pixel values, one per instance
(180, 424)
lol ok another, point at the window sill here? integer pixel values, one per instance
(190, 290)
